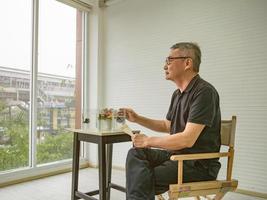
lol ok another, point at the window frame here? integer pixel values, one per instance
(32, 171)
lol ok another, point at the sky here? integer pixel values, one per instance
(57, 36)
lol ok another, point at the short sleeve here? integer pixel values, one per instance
(204, 106)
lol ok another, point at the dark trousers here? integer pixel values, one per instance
(150, 171)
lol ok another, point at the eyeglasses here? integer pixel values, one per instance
(169, 59)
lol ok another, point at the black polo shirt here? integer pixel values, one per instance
(198, 103)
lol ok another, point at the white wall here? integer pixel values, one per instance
(233, 39)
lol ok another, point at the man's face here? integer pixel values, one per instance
(175, 65)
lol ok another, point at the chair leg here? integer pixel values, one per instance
(219, 195)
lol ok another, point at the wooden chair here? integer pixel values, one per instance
(218, 187)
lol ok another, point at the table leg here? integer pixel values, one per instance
(102, 169)
(109, 168)
(75, 166)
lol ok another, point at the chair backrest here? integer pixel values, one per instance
(228, 132)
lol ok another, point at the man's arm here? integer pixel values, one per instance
(185, 139)
(155, 125)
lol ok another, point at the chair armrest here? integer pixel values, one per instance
(199, 156)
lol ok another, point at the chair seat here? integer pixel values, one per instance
(201, 188)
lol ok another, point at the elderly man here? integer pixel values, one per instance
(193, 126)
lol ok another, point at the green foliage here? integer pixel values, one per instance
(55, 148)
(2, 105)
(14, 151)
(15, 154)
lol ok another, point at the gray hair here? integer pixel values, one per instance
(192, 50)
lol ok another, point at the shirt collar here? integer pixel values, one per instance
(192, 83)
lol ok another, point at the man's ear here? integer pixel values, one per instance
(188, 64)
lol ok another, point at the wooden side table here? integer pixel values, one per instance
(105, 142)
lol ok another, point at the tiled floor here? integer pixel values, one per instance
(58, 187)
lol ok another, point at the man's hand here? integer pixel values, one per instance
(130, 114)
(140, 140)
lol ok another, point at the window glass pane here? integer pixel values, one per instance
(56, 81)
(15, 64)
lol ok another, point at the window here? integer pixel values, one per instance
(53, 81)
